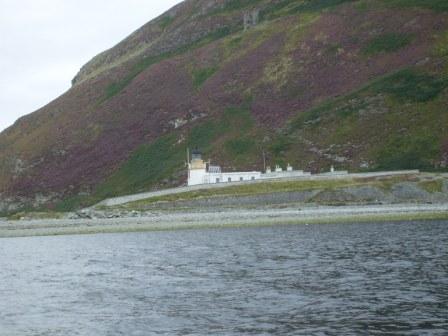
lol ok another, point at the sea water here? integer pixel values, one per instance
(341, 279)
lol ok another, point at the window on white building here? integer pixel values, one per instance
(241, 179)
(253, 178)
(229, 179)
(217, 180)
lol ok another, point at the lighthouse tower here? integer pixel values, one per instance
(197, 169)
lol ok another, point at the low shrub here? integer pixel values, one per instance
(386, 43)
(412, 86)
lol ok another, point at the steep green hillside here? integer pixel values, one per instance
(359, 84)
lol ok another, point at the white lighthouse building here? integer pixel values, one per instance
(201, 172)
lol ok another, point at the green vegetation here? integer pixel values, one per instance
(238, 147)
(312, 116)
(239, 118)
(389, 42)
(394, 122)
(148, 165)
(258, 188)
(234, 42)
(234, 131)
(203, 135)
(399, 122)
(404, 85)
(234, 121)
(441, 48)
(317, 5)
(409, 153)
(350, 110)
(240, 138)
(216, 35)
(234, 5)
(200, 76)
(410, 85)
(75, 202)
(432, 186)
(165, 22)
(152, 163)
(160, 160)
(387, 183)
(280, 145)
(436, 5)
(270, 187)
(272, 10)
(291, 7)
(115, 88)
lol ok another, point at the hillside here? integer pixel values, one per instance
(358, 84)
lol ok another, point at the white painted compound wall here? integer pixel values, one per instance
(201, 176)
(234, 177)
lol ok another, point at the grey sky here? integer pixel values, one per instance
(45, 42)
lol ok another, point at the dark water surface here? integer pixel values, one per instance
(353, 279)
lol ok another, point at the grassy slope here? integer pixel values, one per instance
(397, 121)
(394, 121)
(414, 100)
(431, 183)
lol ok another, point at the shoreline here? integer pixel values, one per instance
(226, 218)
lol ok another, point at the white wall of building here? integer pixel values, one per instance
(234, 177)
(197, 176)
(201, 176)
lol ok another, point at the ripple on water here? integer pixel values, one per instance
(353, 279)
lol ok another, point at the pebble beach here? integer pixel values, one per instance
(221, 218)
